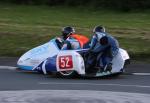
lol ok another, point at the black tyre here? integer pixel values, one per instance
(68, 74)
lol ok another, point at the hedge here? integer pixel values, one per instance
(125, 5)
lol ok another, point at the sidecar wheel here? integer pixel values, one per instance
(68, 74)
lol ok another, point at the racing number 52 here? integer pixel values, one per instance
(65, 62)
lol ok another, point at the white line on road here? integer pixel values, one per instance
(121, 85)
(141, 74)
(14, 68)
(8, 67)
(71, 96)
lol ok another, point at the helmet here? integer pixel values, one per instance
(67, 31)
(99, 29)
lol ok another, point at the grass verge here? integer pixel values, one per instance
(24, 27)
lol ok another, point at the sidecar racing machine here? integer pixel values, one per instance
(67, 63)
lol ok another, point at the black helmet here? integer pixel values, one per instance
(99, 29)
(66, 31)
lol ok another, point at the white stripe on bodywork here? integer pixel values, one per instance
(43, 67)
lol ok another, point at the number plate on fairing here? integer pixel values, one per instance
(65, 62)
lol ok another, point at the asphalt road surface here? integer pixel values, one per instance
(30, 87)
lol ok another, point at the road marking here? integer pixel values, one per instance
(95, 84)
(71, 96)
(8, 67)
(141, 74)
(14, 68)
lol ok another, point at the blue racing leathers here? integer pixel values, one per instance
(71, 44)
(103, 53)
(95, 39)
(106, 52)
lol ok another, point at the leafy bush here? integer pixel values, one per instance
(124, 5)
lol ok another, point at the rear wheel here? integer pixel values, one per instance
(127, 62)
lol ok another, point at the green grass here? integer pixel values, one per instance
(24, 27)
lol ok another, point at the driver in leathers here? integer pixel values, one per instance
(103, 49)
(65, 34)
(73, 41)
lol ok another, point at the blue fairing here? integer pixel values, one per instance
(25, 67)
(50, 64)
(82, 50)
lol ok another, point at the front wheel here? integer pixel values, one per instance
(68, 74)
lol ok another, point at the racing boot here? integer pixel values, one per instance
(100, 69)
(108, 67)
